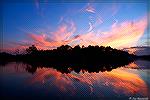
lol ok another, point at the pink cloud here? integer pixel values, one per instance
(63, 36)
(119, 35)
(126, 34)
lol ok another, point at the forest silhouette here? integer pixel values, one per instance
(65, 58)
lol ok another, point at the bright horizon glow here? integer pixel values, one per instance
(49, 25)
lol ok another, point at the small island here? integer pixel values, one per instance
(66, 58)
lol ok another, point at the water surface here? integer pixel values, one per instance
(17, 81)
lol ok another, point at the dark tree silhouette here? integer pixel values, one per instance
(91, 58)
(64, 48)
(32, 49)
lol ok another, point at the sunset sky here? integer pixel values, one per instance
(49, 24)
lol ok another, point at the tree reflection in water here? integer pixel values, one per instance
(119, 81)
(71, 81)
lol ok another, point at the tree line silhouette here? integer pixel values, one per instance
(65, 53)
(65, 58)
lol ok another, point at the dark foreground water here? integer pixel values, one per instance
(129, 82)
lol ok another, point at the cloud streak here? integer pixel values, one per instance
(119, 35)
(90, 27)
(90, 9)
(62, 36)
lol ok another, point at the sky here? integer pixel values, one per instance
(48, 23)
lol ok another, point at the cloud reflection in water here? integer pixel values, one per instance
(120, 80)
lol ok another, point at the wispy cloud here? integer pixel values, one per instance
(61, 19)
(126, 33)
(63, 35)
(90, 27)
(114, 8)
(37, 4)
(119, 35)
(90, 8)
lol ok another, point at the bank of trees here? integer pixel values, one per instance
(66, 56)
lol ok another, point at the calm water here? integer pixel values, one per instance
(48, 83)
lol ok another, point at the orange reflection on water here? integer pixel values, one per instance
(59, 80)
(121, 80)
(127, 82)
